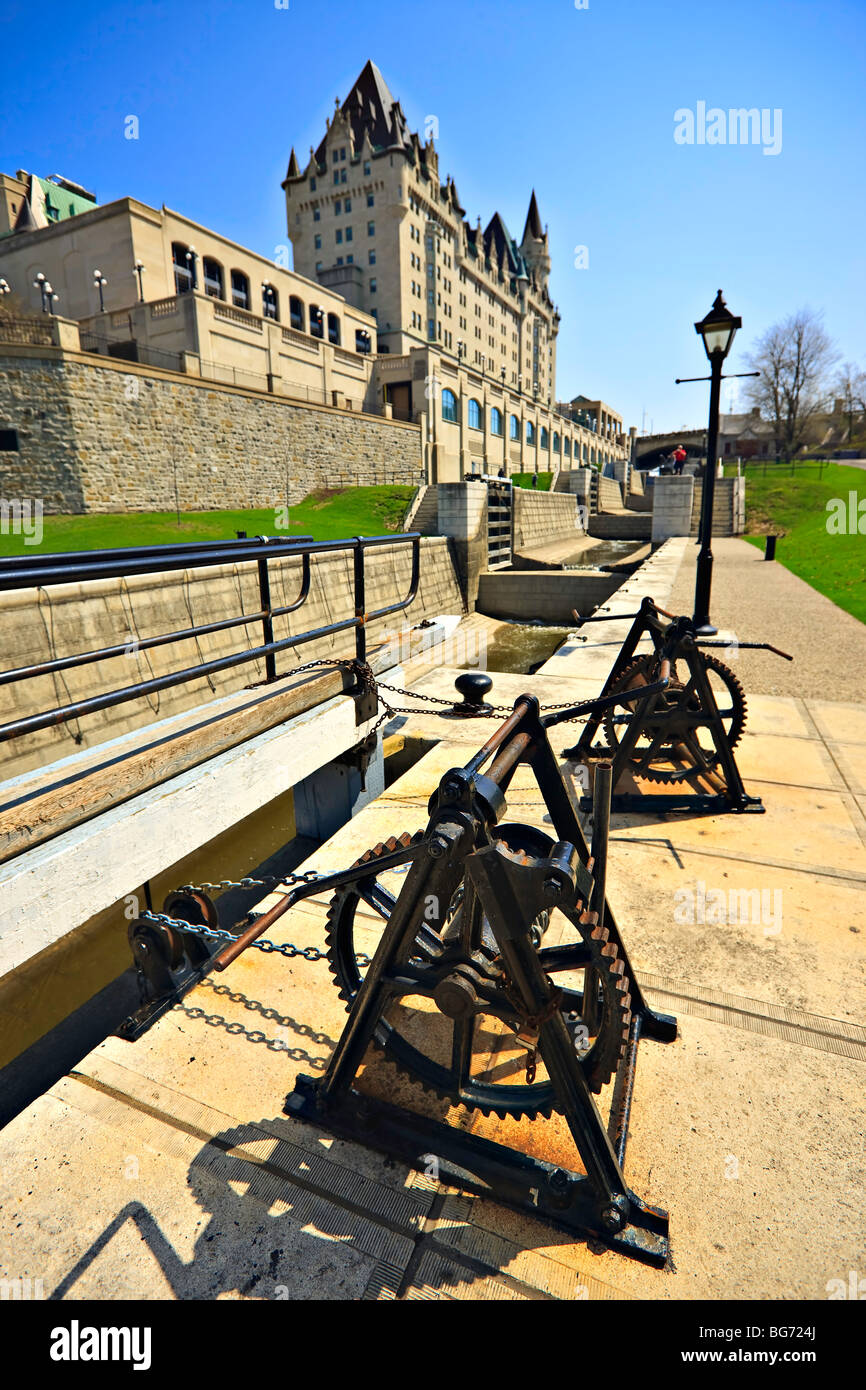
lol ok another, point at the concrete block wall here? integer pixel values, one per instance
(100, 435)
(609, 495)
(39, 625)
(538, 517)
(544, 595)
(462, 512)
(622, 472)
(672, 507)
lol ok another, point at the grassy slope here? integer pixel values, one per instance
(360, 511)
(525, 480)
(797, 506)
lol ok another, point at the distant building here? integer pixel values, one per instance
(746, 436)
(198, 302)
(28, 202)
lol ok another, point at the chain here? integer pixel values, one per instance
(530, 1024)
(310, 953)
(492, 713)
(367, 680)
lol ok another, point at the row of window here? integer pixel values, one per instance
(340, 175)
(313, 320)
(475, 420)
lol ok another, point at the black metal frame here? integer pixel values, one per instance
(27, 572)
(672, 638)
(458, 845)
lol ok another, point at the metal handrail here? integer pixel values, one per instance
(29, 572)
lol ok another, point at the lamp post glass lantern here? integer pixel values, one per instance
(717, 330)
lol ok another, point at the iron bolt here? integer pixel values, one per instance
(558, 1181)
(552, 888)
(437, 847)
(612, 1216)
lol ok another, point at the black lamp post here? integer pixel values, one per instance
(717, 330)
(100, 282)
(138, 269)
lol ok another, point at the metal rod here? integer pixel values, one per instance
(93, 566)
(71, 558)
(509, 757)
(65, 663)
(267, 619)
(704, 574)
(521, 709)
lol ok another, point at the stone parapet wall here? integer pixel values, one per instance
(109, 436)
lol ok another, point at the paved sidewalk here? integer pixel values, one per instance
(764, 602)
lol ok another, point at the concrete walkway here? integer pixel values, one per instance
(165, 1168)
(758, 601)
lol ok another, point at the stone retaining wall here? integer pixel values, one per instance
(98, 435)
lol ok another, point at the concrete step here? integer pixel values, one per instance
(426, 515)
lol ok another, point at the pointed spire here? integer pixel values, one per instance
(533, 229)
(294, 169)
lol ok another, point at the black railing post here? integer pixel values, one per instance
(360, 601)
(267, 619)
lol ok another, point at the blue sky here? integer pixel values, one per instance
(578, 103)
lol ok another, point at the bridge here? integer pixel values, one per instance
(650, 449)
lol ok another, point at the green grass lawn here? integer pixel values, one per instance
(525, 480)
(795, 508)
(326, 515)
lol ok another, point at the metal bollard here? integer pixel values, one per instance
(770, 548)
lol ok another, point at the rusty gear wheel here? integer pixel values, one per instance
(672, 739)
(599, 1048)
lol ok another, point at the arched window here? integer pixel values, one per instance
(214, 281)
(334, 329)
(566, 448)
(240, 290)
(474, 415)
(296, 313)
(556, 444)
(270, 301)
(530, 432)
(449, 406)
(545, 438)
(183, 259)
(495, 420)
(514, 428)
(317, 322)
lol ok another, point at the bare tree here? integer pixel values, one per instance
(794, 358)
(850, 388)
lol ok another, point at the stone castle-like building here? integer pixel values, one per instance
(370, 217)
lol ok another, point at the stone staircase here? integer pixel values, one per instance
(423, 514)
(723, 507)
